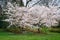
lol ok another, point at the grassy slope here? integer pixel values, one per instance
(9, 36)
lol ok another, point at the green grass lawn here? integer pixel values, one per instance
(10, 36)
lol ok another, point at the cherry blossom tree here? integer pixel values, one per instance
(33, 17)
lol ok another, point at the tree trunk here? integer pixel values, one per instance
(20, 2)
